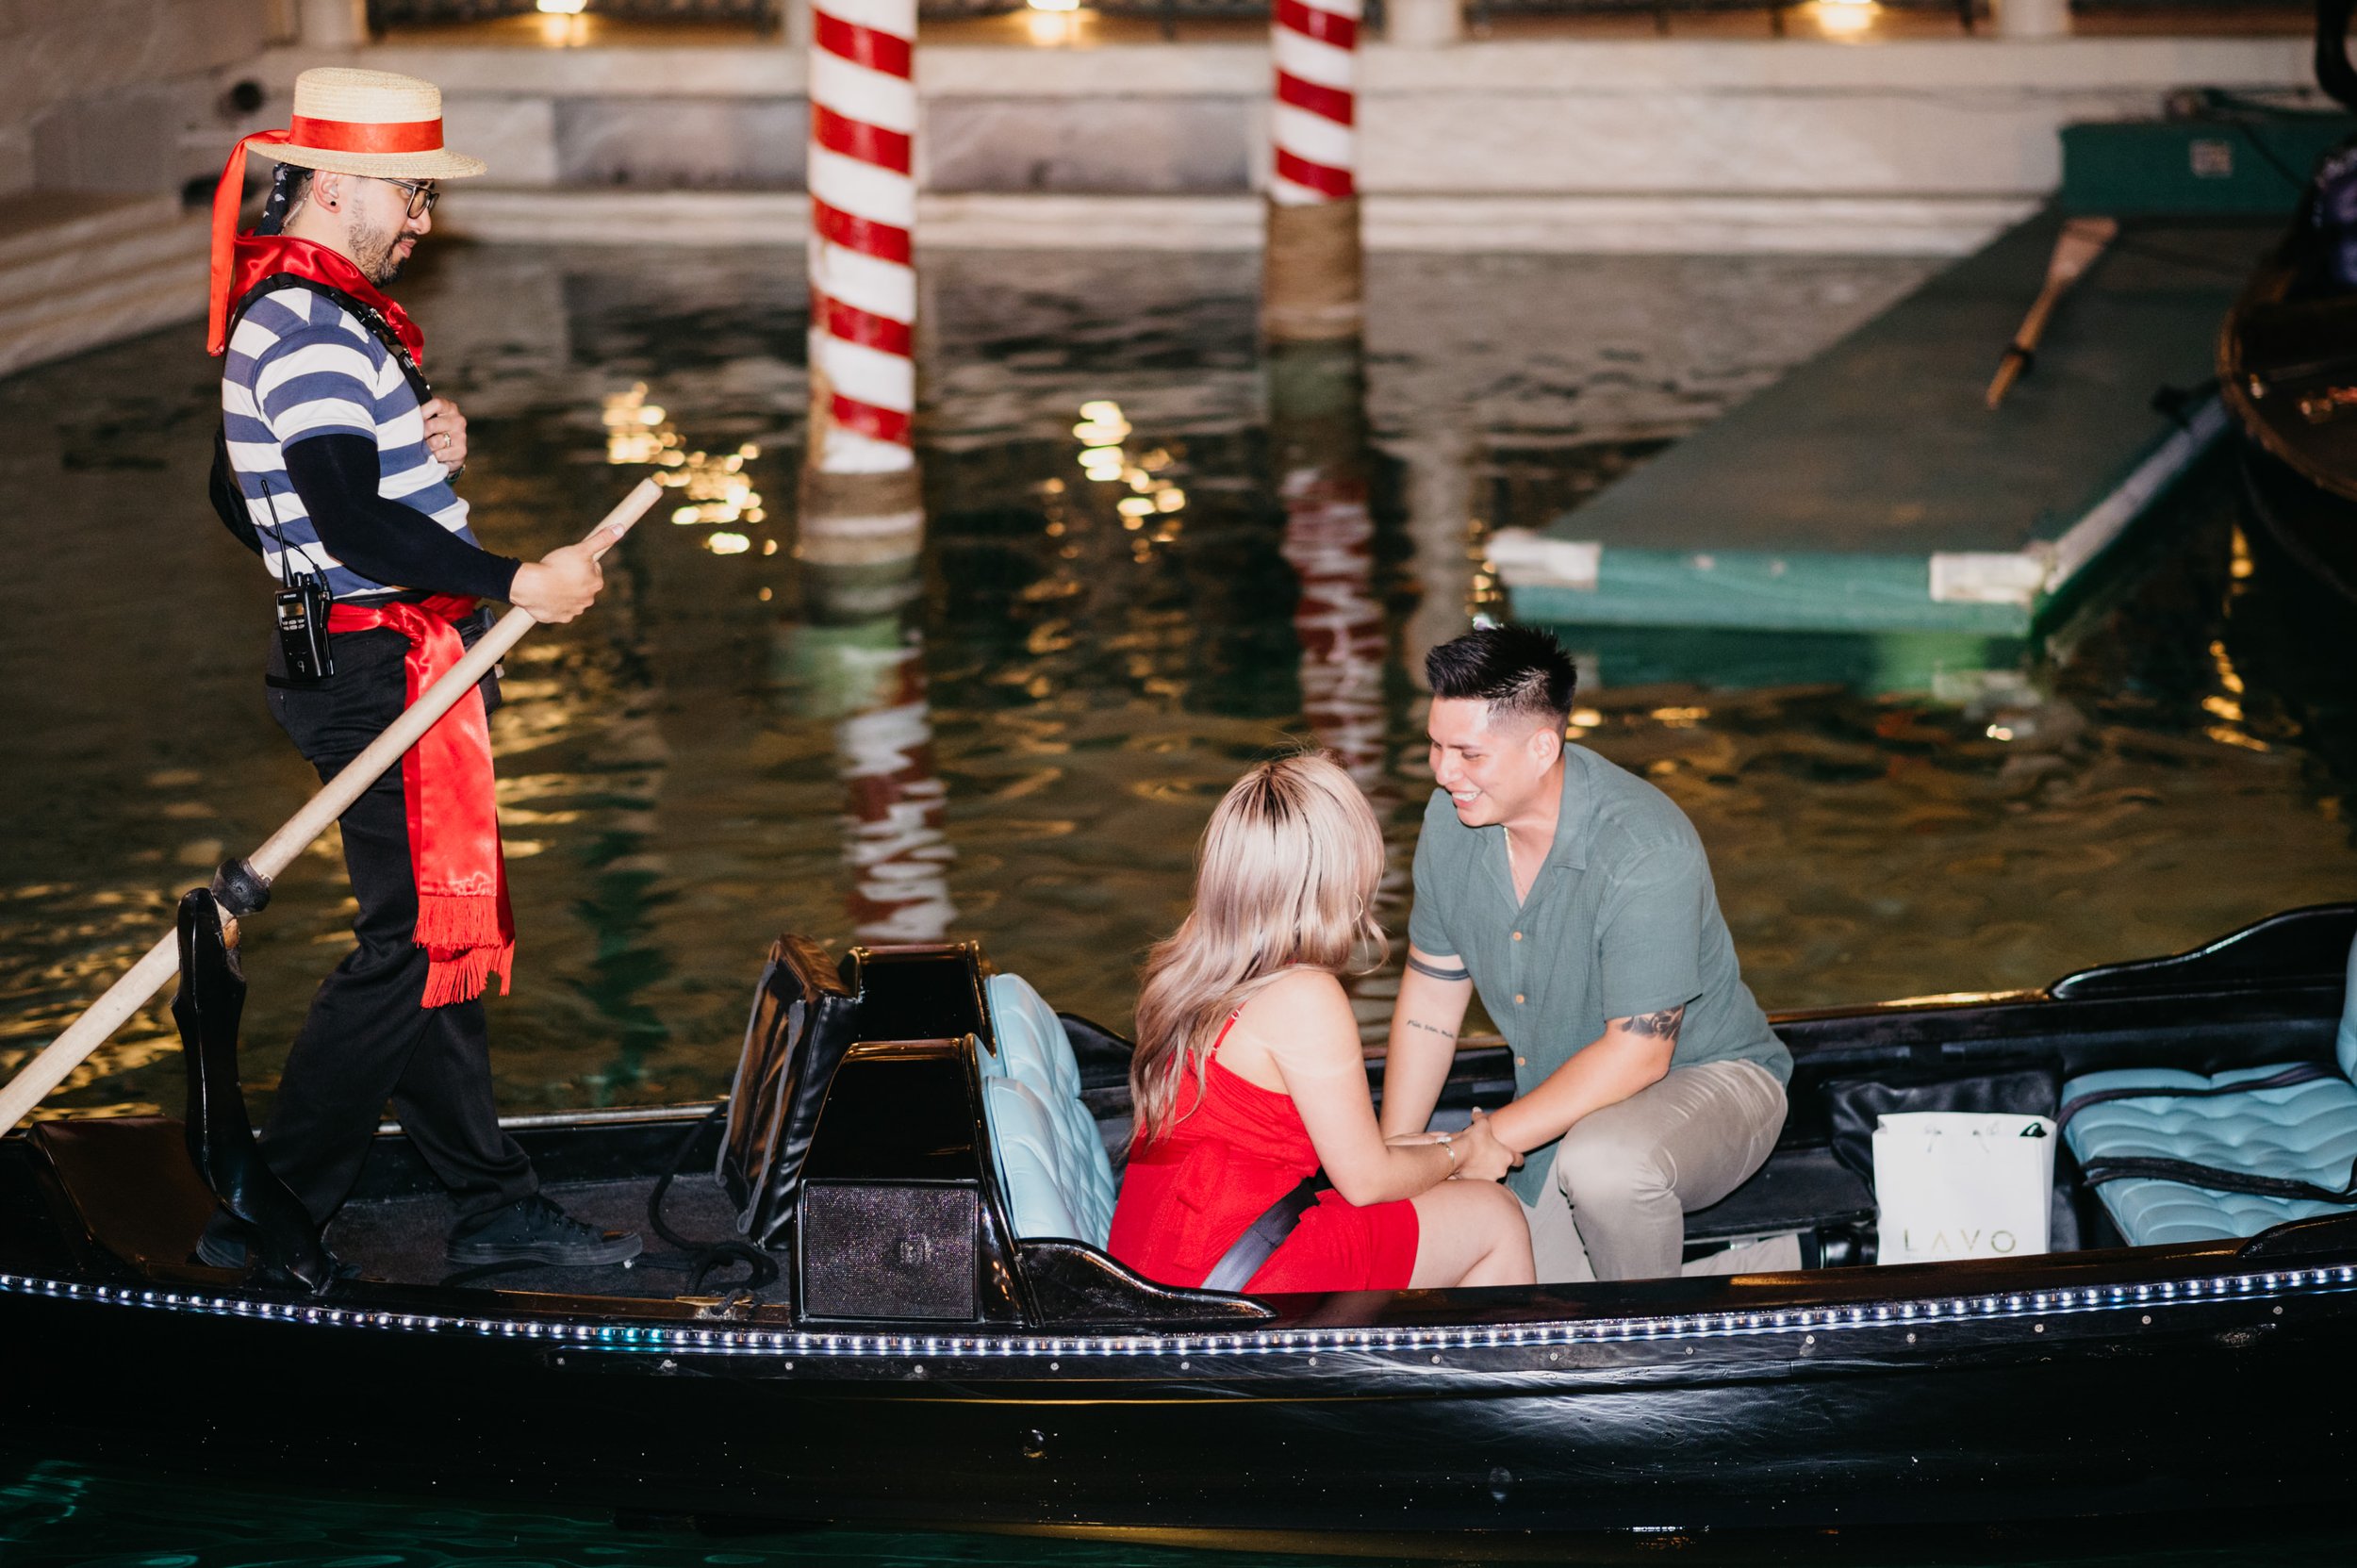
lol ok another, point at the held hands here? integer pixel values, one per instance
(446, 434)
(562, 584)
(1479, 1155)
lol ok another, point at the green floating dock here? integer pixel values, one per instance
(1869, 490)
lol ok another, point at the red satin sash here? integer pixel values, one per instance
(463, 922)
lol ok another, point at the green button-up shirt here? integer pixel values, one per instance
(1621, 920)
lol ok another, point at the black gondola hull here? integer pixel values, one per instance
(2230, 1397)
(2106, 1382)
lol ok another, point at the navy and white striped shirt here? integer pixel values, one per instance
(300, 365)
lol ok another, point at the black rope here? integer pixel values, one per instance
(761, 1268)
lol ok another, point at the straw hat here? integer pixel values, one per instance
(368, 122)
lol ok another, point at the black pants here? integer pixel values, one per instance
(368, 1037)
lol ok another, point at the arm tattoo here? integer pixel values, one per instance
(1432, 1028)
(1435, 972)
(1660, 1026)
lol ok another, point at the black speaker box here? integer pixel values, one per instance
(881, 1250)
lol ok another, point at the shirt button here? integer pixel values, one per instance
(1517, 936)
(1521, 1061)
(1517, 998)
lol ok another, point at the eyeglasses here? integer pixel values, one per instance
(421, 197)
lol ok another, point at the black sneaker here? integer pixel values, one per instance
(534, 1230)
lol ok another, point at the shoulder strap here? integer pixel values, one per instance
(366, 314)
(1263, 1236)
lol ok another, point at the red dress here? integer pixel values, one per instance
(1237, 1148)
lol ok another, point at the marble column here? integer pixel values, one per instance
(2033, 18)
(1424, 23)
(334, 24)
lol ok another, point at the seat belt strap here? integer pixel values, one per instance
(1263, 1236)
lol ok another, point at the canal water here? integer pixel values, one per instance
(1152, 554)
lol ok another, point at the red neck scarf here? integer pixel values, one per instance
(242, 260)
(463, 922)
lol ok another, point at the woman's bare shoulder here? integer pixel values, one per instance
(1296, 1002)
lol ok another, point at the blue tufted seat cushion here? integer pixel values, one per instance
(1059, 1179)
(2308, 1130)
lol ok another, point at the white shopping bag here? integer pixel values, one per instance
(1962, 1184)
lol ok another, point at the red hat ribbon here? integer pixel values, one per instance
(227, 197)
(351, 136)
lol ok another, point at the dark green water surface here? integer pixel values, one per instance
(1015, 734)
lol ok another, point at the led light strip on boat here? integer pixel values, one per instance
(607, 1336)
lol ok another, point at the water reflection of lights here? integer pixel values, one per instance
(2227, 707)
(1317, 427)
(716, 487)
(1104, 460)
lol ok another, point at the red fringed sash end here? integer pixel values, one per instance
(463, 974)
(467, 939)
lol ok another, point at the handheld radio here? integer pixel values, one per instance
(303, 603)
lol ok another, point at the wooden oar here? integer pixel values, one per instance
(47, 1070)
(2082, 240)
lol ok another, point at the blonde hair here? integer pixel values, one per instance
(1285, 878)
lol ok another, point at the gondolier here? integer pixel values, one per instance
(336, 466)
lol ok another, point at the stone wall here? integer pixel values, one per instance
(1655, 117)
(121, 94)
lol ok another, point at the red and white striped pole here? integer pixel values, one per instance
(1311, 273)
(859, 490)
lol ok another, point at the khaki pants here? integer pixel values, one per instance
(1625, 1176)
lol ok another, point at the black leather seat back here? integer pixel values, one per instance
(804, 1018)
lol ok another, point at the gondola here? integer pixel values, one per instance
(2287, 364)
(893, 1313)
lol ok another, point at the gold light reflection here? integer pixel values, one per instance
(1054, 23)
(715, 490)
(1155, 498)
(1845, 18)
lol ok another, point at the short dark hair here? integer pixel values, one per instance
(1514, 668)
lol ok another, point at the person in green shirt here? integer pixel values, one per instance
(1577, 899)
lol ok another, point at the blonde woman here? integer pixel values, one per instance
(1248, 1075)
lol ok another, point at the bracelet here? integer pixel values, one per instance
(1449, 1148)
